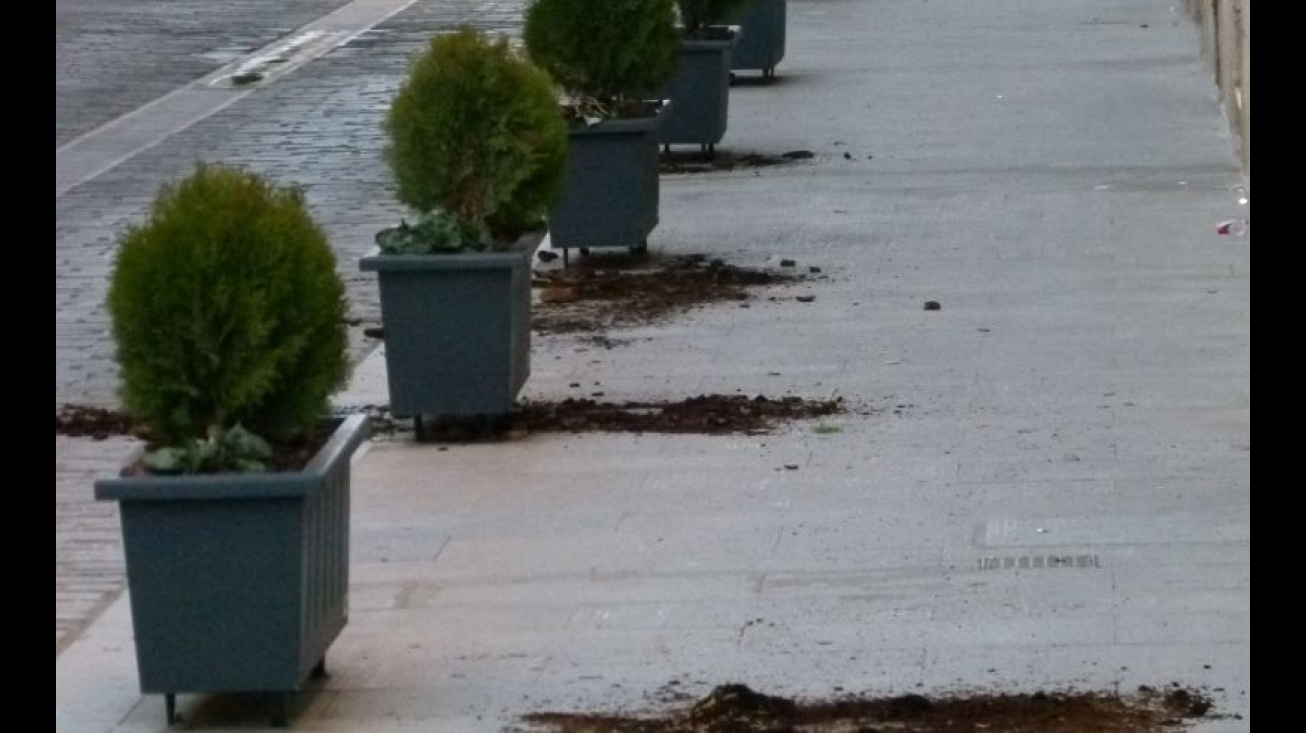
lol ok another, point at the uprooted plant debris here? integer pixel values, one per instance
(735, 708)
(698, 162)
(590, 297)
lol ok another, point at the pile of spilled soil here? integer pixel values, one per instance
(702, 415)
(591, 297)
(698, 162)
(100, 423)
(737, 709)
(705, 414)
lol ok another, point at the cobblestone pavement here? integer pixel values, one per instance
(111, 58)
(319, 127)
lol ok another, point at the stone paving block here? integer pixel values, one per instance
(592, 588)
(1175, 495)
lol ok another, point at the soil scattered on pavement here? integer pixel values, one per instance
(724, 160)
(602, 292)
(89, 421)
(704, 415)
(735, 708)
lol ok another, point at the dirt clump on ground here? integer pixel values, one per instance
(704, 414)
(735, 414)
(91, 421)
(679, 162)
(735, 708)
(603, 291)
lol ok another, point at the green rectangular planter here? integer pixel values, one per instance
(238, 582)
(457, 329)
(762, 43)
(700, 91)
(612, 188)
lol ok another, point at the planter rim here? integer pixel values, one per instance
(700, 44)
(628, 125)
(350, 433)
(376, 261)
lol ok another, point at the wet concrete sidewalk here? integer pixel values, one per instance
(1047, 481)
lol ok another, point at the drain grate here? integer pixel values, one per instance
(1035, 562)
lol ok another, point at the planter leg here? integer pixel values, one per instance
(768, 73)
(667, 148)
(319, 670)
(419, 430)
(565, 259)
(708, 150)
(170, 707)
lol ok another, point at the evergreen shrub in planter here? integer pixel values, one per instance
(612, 58)
(700, 90)
(228, 317)
(477, 149)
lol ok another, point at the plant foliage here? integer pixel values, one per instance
(226, 309)
(607, 52)
(236, 449)
(433, 232)
(475, 131)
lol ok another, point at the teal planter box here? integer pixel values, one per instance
(238, 582)
(457, 330)
(700, 91)
(762, 43)
(612, 188)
